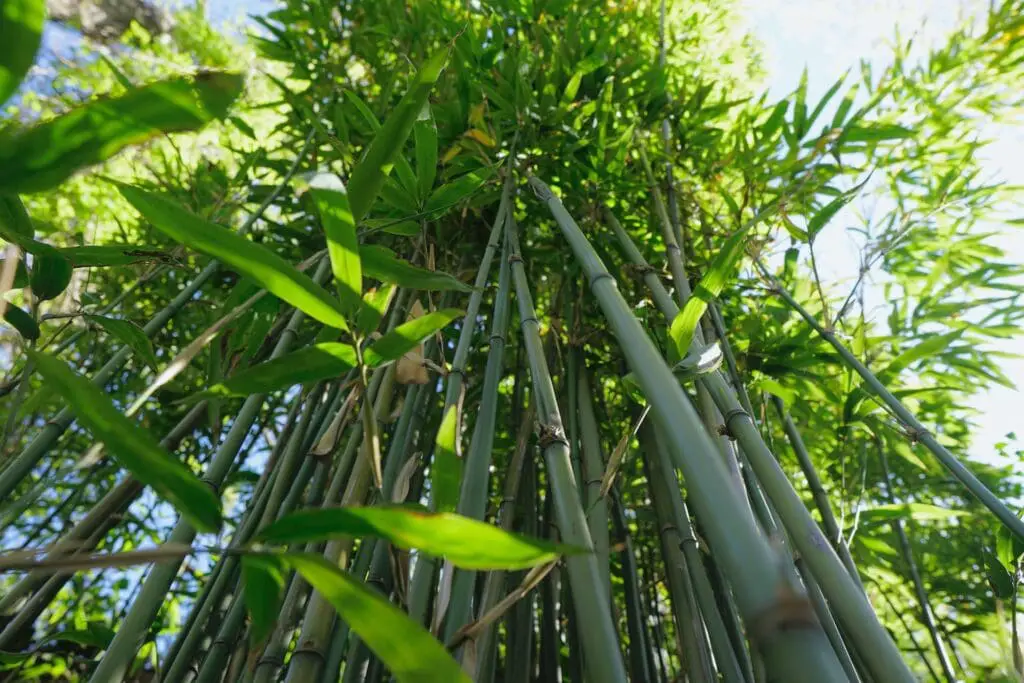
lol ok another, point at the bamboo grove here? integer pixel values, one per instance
(487, 341)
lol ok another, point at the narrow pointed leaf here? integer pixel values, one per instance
(133, 447)
(332, 202)
(463, 541)
(310, 364)
(381, 263)
(408, 336)
(22, 322)
(376, 301)
(403, 645)
(127, 333)
(710, 286)
(451, 194)
(446, 470)
(51, 275)
(44, 156)
(265, 267)
(100, 255)
(21, 30)
(263, 578)
(425, 135)
(15, 223)
(369, 174)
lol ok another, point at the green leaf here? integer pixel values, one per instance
(446, 470)
(44, 156)
(381, 263)
(51, 274)
(15, 223)
(463, 541)
(21, 30)
(825, 214)
(925, 349)
(265, 267)
(450, 194)
(825, 99)
(919, 512)
(774, 121)
(129, 334)
(392, 226)
(376, 302)
(100, 255)
(403, 645)
(1009, 548)
(875, 133)
(263, 578)
(407, 336)
(710, 286)
(22, 322)
(332, 202)
(310, 364)
(800, 107)
(425, 135)
(369, 174)
(134, 447)
(999, 579)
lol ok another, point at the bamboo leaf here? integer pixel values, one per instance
(1002, 583)
(21, 31)
(44, 156)
(404, 646)
(919, 512)
(51, 275)
(875, 133)
(310, 364)
(925, 349)
(369, 174)
(446, 470)
(407, 336)
(1009, 548)
(381, 263)
(711, 285)
(265, 267)
(425, 135)
(451, 194)
(134, 447)
(127, 333)
(800, 107)
(15, 223)
(464, 542)
(22, 322)
(99, 255)
(376, 302)
(263, 578)
(332, 202)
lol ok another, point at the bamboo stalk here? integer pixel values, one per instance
(766, 589)
(841, 590)
(602, 657)
(126, 643)
(686, 574)
(927, 616)
(917, 430)
(641, 664)
(818, 493)
(592, 472)
(476, 472)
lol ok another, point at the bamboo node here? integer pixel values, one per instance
(726, 428)
(601, 276)
(514, 258)
(550, 435)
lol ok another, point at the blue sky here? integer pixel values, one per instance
(830, 36)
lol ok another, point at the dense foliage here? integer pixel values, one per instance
(256, 292)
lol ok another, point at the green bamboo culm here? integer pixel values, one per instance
(795, 650)
(601, 652)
